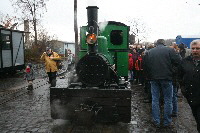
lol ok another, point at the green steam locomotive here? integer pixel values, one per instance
(100, 94)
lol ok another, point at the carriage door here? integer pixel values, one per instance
(6, 49)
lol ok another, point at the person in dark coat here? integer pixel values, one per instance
(189, 73)
(147, 85)
(182, 50)
(160, 61)
(175, 84)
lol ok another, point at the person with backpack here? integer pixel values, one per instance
(50, 58)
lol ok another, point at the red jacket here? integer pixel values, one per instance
(138, 63)
(130, 62)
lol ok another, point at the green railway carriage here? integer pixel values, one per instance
(100, 93)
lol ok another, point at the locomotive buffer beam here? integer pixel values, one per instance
(85, 114)
(101, 105)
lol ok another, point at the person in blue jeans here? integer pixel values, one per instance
(167, 90)
(175, 83)
(174, 102)
(159, 62)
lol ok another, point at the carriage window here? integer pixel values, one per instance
(6, 45)
(116, 37)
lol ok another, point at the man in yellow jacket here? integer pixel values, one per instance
(50, 58)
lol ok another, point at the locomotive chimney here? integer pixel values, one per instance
(92, 14)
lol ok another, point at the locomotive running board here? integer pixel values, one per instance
(90, 104)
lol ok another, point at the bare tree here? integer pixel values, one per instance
(44, 38)
(138, 29)
(31, 10)
(7, 21)
(33, 52)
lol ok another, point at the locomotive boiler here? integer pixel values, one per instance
(100, 94)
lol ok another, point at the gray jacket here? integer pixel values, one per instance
(29, 75)
(160, 61)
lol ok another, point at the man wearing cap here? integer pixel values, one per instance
(50, 57)
(159, 65)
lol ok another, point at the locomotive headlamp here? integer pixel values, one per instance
(91, 38)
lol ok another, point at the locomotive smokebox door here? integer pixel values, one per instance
(92, 70)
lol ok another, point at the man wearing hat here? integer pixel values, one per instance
(50, 58)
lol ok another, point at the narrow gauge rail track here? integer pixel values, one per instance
(15, 93)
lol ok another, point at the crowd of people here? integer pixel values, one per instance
(162, 70)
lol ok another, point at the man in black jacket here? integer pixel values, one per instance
(159, 63)
(189, 71)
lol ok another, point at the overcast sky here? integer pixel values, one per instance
(163, 18)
